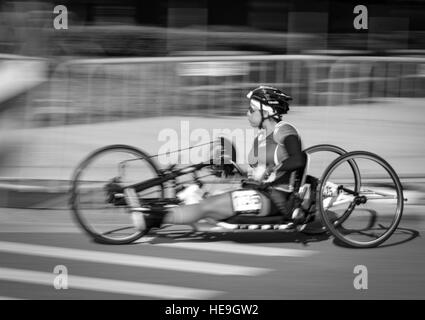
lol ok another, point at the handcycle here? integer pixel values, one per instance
(336, 201)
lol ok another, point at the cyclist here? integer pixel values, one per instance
(275, 158)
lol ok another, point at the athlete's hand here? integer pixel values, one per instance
(273, 174)
(258, 173)
(271, 177)
(228, 170)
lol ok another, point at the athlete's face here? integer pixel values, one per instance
(254, 115)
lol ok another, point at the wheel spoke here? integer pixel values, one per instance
(372, 235)
(116, 230)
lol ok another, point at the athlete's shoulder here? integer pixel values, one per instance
(282, 130)
(285, 126)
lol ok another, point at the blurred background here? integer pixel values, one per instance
(124, 70)
(127, 71)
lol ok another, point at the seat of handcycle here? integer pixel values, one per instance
(300, 178)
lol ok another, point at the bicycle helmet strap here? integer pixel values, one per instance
(276, 116)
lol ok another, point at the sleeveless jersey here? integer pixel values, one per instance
(270, 150)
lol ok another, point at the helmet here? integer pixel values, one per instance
(271, 99)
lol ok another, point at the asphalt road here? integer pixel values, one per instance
(254, 266)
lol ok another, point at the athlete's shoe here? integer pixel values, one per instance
(148, 217)
(191, 194)
(144, 217)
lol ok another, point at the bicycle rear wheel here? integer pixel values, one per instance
(101, 212)
(365, 217)
(320, 156)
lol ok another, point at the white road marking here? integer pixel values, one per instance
(28, 228)
(9, 298)
(107, 285)
(130, 260)
(229, 247)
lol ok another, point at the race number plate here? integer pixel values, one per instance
(246, 201)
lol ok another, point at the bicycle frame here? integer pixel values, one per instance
(141, 186)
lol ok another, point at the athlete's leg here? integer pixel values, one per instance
(282, 202)
(218, 207)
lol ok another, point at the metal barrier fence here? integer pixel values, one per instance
(18, 75)
(93, 90)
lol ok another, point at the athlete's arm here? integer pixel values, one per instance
(296, 158)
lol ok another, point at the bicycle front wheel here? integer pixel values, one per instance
(101, 212)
